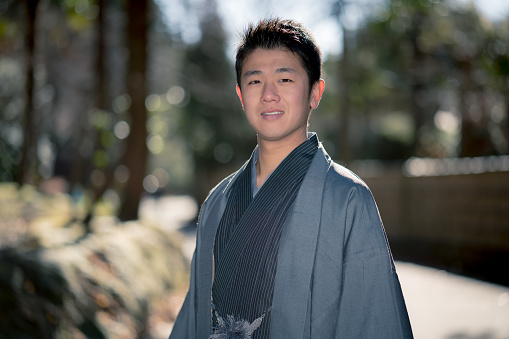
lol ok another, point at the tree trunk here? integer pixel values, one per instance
(344, 127)
(417, 83)
(101, 97)
(475, 140)
(342, 138)
(135, 158)
(505, 126)
(28, 154)
(79, 163)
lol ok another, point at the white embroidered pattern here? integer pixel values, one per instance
(235, 329)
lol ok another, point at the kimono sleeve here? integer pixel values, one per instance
(185, 325)
(188, 324)
(371, 303)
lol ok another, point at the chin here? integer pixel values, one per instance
(275, 137)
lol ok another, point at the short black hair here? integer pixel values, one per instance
(278, 33)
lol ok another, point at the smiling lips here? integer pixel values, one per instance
(272, 114)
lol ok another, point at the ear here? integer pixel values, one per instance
(239, 93)
(316, 93)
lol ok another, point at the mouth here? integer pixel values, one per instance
(272, 113)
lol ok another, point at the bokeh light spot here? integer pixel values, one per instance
(122, 130)
(155, 144)
(150, 183)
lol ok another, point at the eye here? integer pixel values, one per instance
(285, 80)
(252, 82)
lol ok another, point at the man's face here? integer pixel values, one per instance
(275, 95)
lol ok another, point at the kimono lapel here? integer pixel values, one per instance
(297, 253)
(205, 259)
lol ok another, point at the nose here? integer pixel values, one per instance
(269, 93)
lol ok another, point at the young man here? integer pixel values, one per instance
(291, 245)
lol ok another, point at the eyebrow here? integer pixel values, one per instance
(286, 70)
(253, 72)
(279, 70)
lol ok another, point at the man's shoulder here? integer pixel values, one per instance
(215, 195)
(223, 186)
(337, 176)
(340, 175)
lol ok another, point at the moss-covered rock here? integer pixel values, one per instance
(102, 286)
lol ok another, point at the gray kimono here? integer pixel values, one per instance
(335, 274)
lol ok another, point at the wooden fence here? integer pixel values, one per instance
(458, 222)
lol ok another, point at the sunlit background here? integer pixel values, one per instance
(117, 117)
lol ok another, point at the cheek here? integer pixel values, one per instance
(298, 95)
(300, 101)
(249, 108)
(250, 117)
(249, 98)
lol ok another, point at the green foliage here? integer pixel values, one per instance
(415, 59)
(212, 122)
(420, 71)
(80, 13)
(11, 102)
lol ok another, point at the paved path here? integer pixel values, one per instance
(440, 305)
(446, 306)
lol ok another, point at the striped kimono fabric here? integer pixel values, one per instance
(246, 246)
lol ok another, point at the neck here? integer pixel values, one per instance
(270, 155)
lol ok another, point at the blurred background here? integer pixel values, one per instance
(118, 116)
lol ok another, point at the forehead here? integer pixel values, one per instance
(266, 59)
